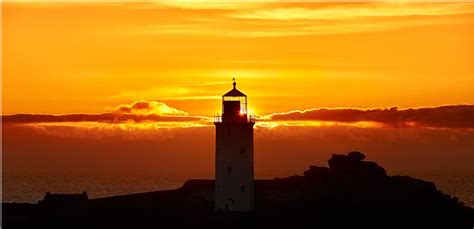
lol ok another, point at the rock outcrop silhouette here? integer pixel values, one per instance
(350, 193)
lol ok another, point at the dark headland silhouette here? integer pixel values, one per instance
(350, 193)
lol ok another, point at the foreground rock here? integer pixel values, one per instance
(351, 193)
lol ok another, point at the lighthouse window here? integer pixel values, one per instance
(229, 169)
(242, 151)
(242, 188)
(232, 201)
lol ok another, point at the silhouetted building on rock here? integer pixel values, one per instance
(64, 200)
(234, 172)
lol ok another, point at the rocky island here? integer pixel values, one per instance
(350, 193)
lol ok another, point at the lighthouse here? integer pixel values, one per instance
(234, 172)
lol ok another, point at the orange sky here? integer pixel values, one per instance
(90, 57)
(144, 79)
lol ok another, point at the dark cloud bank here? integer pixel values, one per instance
(106, 117)
(455, 116)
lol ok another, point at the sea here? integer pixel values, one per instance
(31, 186)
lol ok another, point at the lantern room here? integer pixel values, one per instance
(234, 106)
(234, 102)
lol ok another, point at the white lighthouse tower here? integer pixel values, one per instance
(234, 185)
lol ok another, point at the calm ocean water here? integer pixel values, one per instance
(30, 186)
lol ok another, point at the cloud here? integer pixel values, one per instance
(351, 11)
(105, 117)
(149, 107)
(138, 120)
(454, 116)
(100, 131)
(173, 92)
(305, 19)
(136, 112)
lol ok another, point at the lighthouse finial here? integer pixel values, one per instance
(234, 82)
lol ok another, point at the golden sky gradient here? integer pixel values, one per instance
(90, 57)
